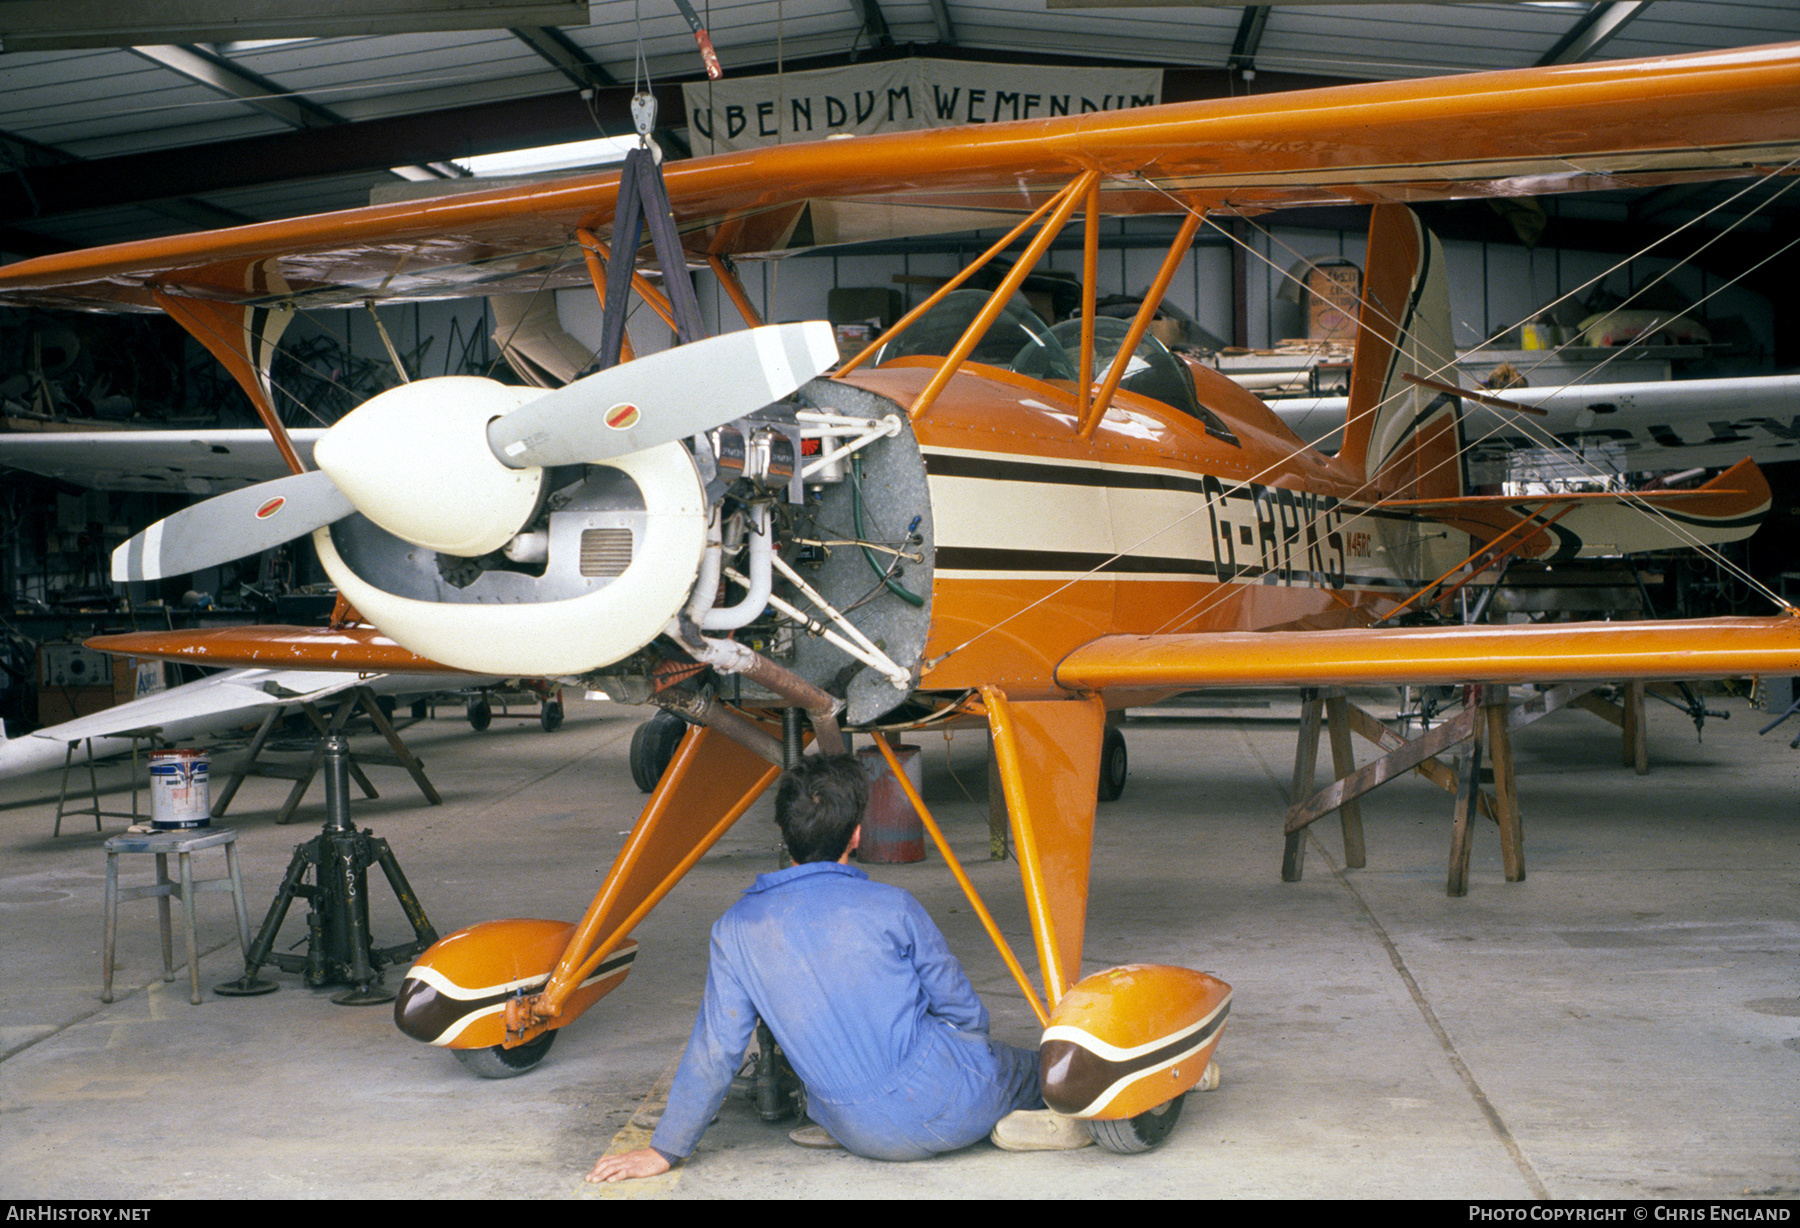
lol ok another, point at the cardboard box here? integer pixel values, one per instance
(1334, 292)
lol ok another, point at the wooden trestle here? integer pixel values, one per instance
(1483, 727)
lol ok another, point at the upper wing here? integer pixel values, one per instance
(1440, 656)
(1564, 128)
(184, 462)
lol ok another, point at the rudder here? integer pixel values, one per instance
(1407, 439)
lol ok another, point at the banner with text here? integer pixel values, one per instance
(901, 94)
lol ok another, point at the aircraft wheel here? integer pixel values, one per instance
(652, 746)
(551, 717)
(499, 1062)
(1113, 764)
(1145, 1132)
(481, 715)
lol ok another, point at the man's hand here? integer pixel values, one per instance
(644, 1162)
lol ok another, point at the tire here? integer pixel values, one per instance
(498, 1062)
(653, 746)
(1114, 763)
(481, 715)
(551, 716)
(1142, 1133)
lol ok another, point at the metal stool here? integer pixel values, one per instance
(183, 843)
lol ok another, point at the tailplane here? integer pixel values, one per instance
(1407, 439)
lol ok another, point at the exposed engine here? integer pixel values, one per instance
(801, 533)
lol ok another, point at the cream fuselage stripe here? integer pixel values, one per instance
(1179, 1042)
(1104, 519)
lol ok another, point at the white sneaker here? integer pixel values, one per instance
(1039, 1130)
(811, 1135)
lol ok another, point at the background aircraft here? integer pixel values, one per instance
(192, 462)
(1636, 427)
(230, 699)
(967, 528)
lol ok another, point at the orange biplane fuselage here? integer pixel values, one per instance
(991, 520)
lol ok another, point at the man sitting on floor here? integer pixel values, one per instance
(862, 994)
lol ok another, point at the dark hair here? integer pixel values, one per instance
(818, 804)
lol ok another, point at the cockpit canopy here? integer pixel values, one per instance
(1151, 372)
(1016, 341)
(1019, 341)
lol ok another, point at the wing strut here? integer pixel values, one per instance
(1090, 278)
(962, 878)
(1008, 286)
(1153, 298)
(938, 295)
(722, 269)
(242, 336)
(598, 254)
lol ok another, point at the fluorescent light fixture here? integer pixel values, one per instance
(597, 152)
(259, 44)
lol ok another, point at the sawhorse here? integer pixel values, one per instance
(1484, 726)
(360, 699)
(150, 735)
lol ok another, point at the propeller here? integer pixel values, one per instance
(456, 463)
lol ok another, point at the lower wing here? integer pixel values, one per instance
(356, 649)
(1434, 656)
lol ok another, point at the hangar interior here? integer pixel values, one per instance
(1620, 1024)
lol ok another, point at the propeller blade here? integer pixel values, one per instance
(663, 397)
(231, 526)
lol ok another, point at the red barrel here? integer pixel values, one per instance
(891, 830)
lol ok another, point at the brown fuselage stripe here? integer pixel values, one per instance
(425, 1014)
(1075, 1076)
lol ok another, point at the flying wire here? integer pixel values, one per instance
(1674, 527)
(1221, 593)
(1627, 497)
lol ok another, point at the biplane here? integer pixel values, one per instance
(978, 519)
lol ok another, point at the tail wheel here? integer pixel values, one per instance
(551, 716)
(1113, 764)
(499, 1062)
(1145, 1132)
(481, 715)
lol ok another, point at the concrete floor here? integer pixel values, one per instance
(1625, 1023)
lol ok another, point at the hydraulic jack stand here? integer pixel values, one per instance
(339, 948)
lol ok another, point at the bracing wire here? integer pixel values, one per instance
(1643, 506)
(1218, 594)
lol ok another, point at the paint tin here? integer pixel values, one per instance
(1538, 335)
(180, 789)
